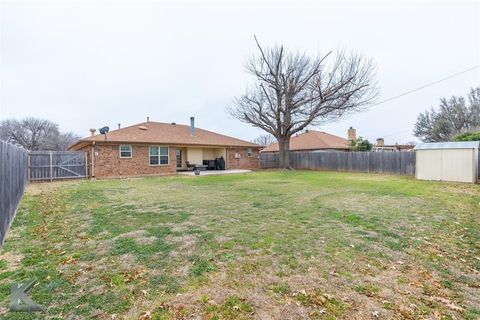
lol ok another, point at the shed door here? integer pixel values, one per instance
(429, 164)
(458, 165)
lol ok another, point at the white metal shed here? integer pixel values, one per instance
(447, 161)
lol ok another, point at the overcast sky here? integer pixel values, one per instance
(92, 63)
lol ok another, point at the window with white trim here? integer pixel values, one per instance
(125, 151)
(158, 156)
(249, 152)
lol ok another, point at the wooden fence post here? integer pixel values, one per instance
(51, 167)
(28, 164)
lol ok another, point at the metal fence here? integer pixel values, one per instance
(13, 179)
(55, 165)
(402, 163)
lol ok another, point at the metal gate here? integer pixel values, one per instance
(56, 165)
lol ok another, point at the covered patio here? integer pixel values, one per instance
(190, 157)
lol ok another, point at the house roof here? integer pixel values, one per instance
(312, 140)
(394, 146)
(164, 133)
(448, 145)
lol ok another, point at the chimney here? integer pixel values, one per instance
(352, 134)
(380, 142)
(192, 126)
(119, 125)
(92, 132)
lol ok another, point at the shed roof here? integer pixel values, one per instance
(448, 145)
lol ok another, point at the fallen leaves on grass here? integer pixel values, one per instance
(69, 260)
(449, 304)
(145, 316)
(134, 274)
(334, 273)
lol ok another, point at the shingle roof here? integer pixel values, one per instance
(312, 140)
(165, 133)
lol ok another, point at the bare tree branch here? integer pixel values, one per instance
(264, 140)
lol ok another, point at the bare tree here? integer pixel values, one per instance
(264, 140)
(293, 90)
(65, 140)
(35, 134)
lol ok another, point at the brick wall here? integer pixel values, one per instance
(244, 162)
(109, 164)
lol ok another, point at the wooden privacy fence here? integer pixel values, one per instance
(402, 163)
(55, 165)
(13, 179)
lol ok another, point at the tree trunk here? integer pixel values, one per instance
(284, 153)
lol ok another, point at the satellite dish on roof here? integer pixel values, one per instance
(104, 130)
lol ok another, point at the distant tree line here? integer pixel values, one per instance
(35, 134)
(456, 119)
(264, 140)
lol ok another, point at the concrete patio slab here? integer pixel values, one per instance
(213, 172)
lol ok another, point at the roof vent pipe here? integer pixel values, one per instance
(92, 132)
(192, 126)
(148, 119)
(119, 125)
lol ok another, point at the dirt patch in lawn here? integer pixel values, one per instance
(140, 237)
(45, 187)
(13, 261)
(461, 188)
(184, 244)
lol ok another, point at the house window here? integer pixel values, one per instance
(249, 152)
(125, 151)
(158, 156)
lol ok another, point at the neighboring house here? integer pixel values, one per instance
(381, 146)
(154, 148)
(312, 140)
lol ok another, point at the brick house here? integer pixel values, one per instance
(381, 146)
(154, 148)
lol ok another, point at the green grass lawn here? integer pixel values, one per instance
(281, 245)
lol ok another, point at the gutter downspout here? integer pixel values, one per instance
(93, 160)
